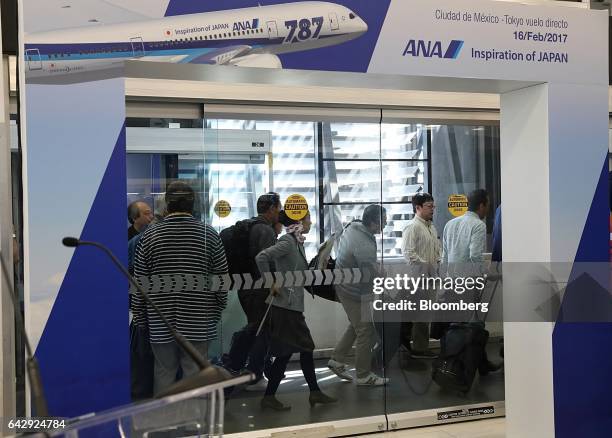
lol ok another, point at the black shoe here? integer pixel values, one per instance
(426, 354)
(319, 397)
(271, 402)
(489, 367)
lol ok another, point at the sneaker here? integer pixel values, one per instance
(258, 386)
(372, 380)
(340, 369)
(425, 354)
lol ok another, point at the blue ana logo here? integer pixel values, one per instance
(433, 49)
(246, 25)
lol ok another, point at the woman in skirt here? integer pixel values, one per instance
(287, 326)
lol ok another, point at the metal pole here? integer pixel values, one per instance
(212, 399)
(221, 412)
(264, 317)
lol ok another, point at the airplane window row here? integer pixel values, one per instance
(228, 34)
(161, 44)
(208, 37)
(90, 52)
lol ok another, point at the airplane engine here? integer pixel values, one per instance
(262, 60)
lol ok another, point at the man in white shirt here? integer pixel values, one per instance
(464, 238)
(421, 249)
(463, 247)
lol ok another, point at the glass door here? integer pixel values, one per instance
(358, 178)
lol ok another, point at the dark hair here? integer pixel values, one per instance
(180, 198)
(373, 214)
(133, 212)
(267, 201)
(286, 220)
(477, 197)
(420, 199)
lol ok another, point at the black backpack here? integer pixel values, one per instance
(461, 352)
(235, 241)
(323, 260)
(326, 291)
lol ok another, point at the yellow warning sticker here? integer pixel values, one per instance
(457, 205)
(296, 207)
(223, 208)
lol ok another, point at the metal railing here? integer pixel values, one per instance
(198, 412)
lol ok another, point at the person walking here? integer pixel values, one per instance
(357, 249)
(287, 326)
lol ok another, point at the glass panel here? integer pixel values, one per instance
(355, 181)
(398, 216)
(403, 179)
(291, 167)
(356, 140)
(350, 141)
(403, 141)
(463, 158)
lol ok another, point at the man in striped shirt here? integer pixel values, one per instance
(421, 249)
(180, 247)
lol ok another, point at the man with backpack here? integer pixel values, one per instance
(242, 242)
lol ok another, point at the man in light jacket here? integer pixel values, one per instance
(421, 249)
(357, 249)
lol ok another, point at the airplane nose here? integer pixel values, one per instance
(362, 25)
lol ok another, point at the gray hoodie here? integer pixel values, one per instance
(357, 249)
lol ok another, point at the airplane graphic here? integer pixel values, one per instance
(250, 37)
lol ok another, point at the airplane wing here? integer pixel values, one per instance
(222, 55)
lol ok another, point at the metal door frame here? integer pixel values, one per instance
(136, 40)
(36, 53)
(272, 29)
(333, 18)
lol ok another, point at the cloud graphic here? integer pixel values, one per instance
(56, 279)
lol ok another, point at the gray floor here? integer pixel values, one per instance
(410, 389)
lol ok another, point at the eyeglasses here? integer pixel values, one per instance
(429, 205)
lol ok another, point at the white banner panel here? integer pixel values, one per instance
(492, 40)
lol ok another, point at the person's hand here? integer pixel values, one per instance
(274, 291)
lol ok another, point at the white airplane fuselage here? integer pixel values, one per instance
(248, 36)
